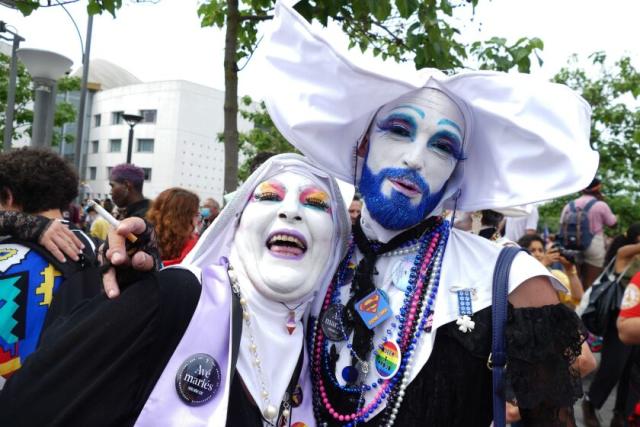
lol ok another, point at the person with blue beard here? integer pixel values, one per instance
(403, 334)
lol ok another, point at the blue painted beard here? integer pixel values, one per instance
(396, 212)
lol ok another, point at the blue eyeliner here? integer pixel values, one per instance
(399, 124)
(448, 142)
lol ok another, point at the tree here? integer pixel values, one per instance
(405, 30)
(615, 132)
(94, 7)
(264, 136)
(22, 116)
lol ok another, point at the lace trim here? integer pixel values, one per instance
(22, 226)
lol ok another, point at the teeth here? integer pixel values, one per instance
(286, 238)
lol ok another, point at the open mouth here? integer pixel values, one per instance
(287, 244)
(405, 186)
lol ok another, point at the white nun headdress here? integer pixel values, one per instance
(527, 139)
(217, 240)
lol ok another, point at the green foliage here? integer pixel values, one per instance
(27, 6)
(495, 54)
(421, 31)
(94, 7)
(403, 30)
(615, 132)
(214, 12)
(22, 115)
(263, 137)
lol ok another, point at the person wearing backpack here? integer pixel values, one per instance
(582, 225)
(40, 183)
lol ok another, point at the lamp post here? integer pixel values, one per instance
(132, 120)
(45, 68)
(11, 92)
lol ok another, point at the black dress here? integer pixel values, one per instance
(98, 365)
(454, 387)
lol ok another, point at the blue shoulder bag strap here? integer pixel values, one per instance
(498, 358)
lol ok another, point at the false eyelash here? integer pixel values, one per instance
(317, 203)
(267, 196)
(397, 124)
(440, 139)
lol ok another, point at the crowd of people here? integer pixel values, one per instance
(429, 298)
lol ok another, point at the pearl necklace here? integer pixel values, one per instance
(402, 251)
(270, 412)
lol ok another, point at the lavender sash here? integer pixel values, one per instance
(208, 332)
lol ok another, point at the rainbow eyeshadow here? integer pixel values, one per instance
(269, 191)
(315, 198)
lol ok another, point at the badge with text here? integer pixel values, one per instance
(401, 272)
(198, 379)
(388, 360)
(333, 323)
(374, 309)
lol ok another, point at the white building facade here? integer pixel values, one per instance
(176, 143)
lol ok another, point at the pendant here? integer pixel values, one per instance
(349, 374)
(374, 309)
(429, 323)
(387, 360)
(401, 272)
(291, 322)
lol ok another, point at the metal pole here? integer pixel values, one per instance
(11, 94)
(130, 143)
(41, 112)
(83, 101)
(63, 130)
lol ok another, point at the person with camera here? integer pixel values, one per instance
(554, 256)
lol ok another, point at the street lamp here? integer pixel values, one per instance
(132, 120)
(45, 68)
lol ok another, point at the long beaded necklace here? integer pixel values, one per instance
(417, 305)
(270, 412)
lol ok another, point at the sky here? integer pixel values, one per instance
(164, 41)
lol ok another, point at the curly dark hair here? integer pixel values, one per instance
(38, 180)
(526, 240)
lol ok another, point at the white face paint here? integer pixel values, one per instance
(415, 143)
(285, 236)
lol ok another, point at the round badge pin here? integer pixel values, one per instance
(198, 379)
(333, 323)
(387, 360)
